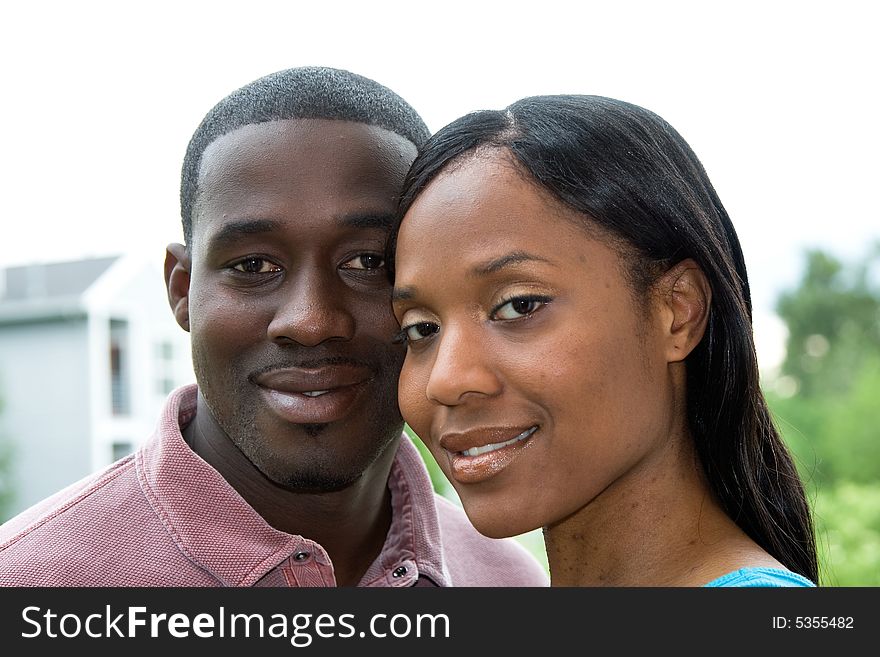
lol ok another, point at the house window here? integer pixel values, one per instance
(165, 351)
(120, 388)
(165, 385)
(165, 367)
(121, 448)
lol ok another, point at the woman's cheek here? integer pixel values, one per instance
(413, 402)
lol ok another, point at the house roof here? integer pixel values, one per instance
(57, 279)
(48, 290)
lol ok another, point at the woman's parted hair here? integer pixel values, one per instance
(631, 173)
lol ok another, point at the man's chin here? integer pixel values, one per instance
(313, 483)
(314, 430)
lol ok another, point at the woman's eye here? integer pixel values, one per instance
(416, 332)
(519, 307)
(365, 261)
(254, 265)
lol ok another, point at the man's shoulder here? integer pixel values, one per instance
(51, 534)
(48, 510)
(477, 560)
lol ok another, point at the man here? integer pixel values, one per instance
(286, 467)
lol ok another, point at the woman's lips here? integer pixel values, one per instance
(478, 455)
(491, 447)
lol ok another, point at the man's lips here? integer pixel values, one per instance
(313, 395)
(473, 442)
(300, 380)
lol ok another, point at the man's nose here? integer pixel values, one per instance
(312, 310)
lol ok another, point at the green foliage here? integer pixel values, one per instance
(848, 533)
(438, 479)
(833, 321)
(835, 437)
(7, 488)
(827, 406)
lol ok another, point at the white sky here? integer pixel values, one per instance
(778, 99)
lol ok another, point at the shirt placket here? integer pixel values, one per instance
(308, 566)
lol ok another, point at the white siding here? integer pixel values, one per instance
(135, 292)
(55, 380)
(45, 393)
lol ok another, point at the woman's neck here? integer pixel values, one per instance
(659, 525)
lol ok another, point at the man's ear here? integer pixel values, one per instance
(177, 275)
(686, 297)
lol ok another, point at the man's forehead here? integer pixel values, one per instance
(302, 138)
(315, 173)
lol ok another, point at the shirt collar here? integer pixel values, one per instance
(415, 526)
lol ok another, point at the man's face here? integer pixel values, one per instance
(289, 302)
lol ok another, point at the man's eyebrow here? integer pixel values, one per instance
(233, 231)
(497, 264)
(383, 221)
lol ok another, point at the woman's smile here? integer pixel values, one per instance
(478, 454)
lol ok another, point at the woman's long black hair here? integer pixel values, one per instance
(631, 173)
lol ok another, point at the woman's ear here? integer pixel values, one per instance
(686, 297)
(177, 277)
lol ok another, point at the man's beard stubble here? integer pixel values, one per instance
(383, 426)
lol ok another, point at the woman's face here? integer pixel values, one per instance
(532, 372)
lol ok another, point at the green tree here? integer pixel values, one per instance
(847, 518)
(835, 437)
(833, 321)
(832, 363)
(827, 406)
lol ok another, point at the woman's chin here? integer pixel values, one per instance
(499, 525)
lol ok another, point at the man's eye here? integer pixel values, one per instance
(254, 265)
(519, 307)
(364, 261)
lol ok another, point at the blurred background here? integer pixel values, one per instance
(101, 98)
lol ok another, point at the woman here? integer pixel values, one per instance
(580, 357)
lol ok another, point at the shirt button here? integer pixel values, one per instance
(400, 571)
(301, 556)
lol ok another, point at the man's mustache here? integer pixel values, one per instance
(373, 366)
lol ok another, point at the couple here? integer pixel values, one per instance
(551, 295)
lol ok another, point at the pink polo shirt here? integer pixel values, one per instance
(164, 517)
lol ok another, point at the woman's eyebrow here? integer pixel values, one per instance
(482, 269)
(497, 264)
(402, 294)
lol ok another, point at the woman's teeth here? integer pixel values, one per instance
(476, 451)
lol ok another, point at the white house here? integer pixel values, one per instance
(88, 352)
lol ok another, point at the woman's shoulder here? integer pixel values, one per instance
(761, 576)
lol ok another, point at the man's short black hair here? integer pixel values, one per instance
(309, 92)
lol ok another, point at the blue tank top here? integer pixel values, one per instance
(761, 577)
